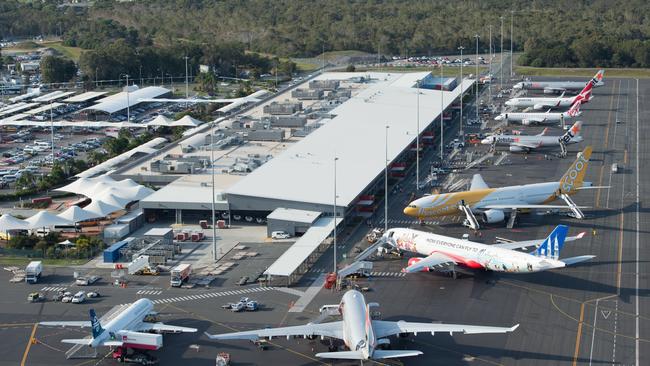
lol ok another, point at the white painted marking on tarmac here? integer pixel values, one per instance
(593, 333)
(300, 305)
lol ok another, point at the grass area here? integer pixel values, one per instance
(22, 261)
(72, 53)
(543, 71)
(27, 45)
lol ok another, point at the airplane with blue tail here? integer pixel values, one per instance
(442, 252)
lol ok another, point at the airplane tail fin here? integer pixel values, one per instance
(574, 111)
(94, 322)
(552, 245)
(574, 131)
(574, 177)
(600, 75)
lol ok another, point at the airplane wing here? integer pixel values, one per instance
(162, 327)
(387, 328)
(524, 145)
(532, 243)
(332, 330)
(435, 259)
(79, 324)
(478, 183)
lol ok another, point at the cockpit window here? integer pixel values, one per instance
(413, 206)
(390, 234)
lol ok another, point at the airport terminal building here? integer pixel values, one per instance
(373, 127)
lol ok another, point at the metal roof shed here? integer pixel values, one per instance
(291, 221)
(305, 251)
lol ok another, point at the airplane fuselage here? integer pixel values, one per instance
(543, 102)
(537, 141)
(129, 318)
(470, 254)
(447, 203)
(357, 326)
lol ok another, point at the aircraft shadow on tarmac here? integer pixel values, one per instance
(484, 281)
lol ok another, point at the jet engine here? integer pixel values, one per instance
(415, 260)
(517, 149)
(526, 122)
(493, 216)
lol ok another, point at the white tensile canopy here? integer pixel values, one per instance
(102, 209)
(8, 222)
(46, 219)
(75, 186)
(113, 196)
(160, 120)
(137, 193)
(66, 243)
(76, 214)
(187, 121)
(126, 183)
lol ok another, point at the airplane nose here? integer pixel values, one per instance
(410, 211)
(498, 118)
(486, 141)
(508, 102)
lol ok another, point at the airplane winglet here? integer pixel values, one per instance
(581, 235)
(513, 328)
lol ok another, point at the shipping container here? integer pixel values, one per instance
(112, 253)
(140, 340)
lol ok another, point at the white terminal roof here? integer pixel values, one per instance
(291, 259)
(294, 215)
(304, 172)
(190, 192)
(52, 96)
(84, 97)
(118, 102)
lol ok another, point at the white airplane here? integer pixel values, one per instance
(125, 328)
(557, 87)
(529, 118)
(526, 143)
(443, 252)
(362, 335)
(493, 203)
(538, 103)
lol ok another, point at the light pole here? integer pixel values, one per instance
(386, 183)
(490, 67)
(141, 76)
(214, 228)
(417, 140)
(512, 12)
(335, 215)
(187, 90)
(52, 131)
(501, 71)
(461, 48)
(442, 125)
(477, 37)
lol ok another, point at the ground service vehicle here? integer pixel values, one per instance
(180, 274)
(33, 271)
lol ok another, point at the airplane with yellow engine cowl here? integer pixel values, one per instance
(493, 204)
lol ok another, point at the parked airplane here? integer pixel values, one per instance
(492, 203)
(125, 328)
(557, 87)
(442, 252)
(538, 103)
(362, 335)
(529, 118)
(525, 143)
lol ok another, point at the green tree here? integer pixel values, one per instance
(55, 69)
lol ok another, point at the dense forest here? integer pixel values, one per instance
(584, 33)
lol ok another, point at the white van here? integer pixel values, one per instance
(79, 297)
(280, 235)
(615, 168)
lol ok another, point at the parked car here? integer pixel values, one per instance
(280, 235)
(79, 297)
